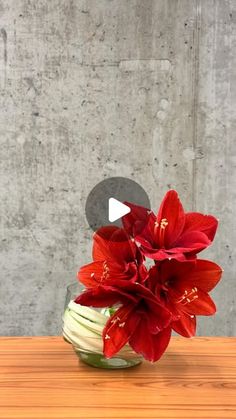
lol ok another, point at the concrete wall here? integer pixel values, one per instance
(93, 89)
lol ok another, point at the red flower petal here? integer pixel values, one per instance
(157, 316)
(152, 253)
(104, 296)
(90, 275)
(183, 249)
(119, 328)
(162, 254)
(190, 241)
(171, 270)
(185, 326)
(171, 209)
(112, 243)
(204, 274)
(101, 239)
(96, 273)
(150, 346)
(147, 232)
(207, 224)
(202, 305)
(135, 221)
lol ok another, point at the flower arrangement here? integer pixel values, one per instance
(146, 303)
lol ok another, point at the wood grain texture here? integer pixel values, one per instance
(40, 378)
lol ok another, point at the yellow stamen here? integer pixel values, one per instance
(105, 274)
(188, 296)
(163, 225)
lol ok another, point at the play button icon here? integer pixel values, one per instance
(116, 210)
(108, 201)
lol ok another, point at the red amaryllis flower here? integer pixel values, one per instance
(141, 319)
(184, 287)
(172, 233)
(115, 255)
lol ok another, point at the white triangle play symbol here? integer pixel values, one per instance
(116, 209)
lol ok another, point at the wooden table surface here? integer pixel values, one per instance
(41, 378)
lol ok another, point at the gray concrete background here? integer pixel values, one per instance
(93, 89)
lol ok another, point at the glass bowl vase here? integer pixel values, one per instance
(83, 327)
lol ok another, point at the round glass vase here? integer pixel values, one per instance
(83, 327)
